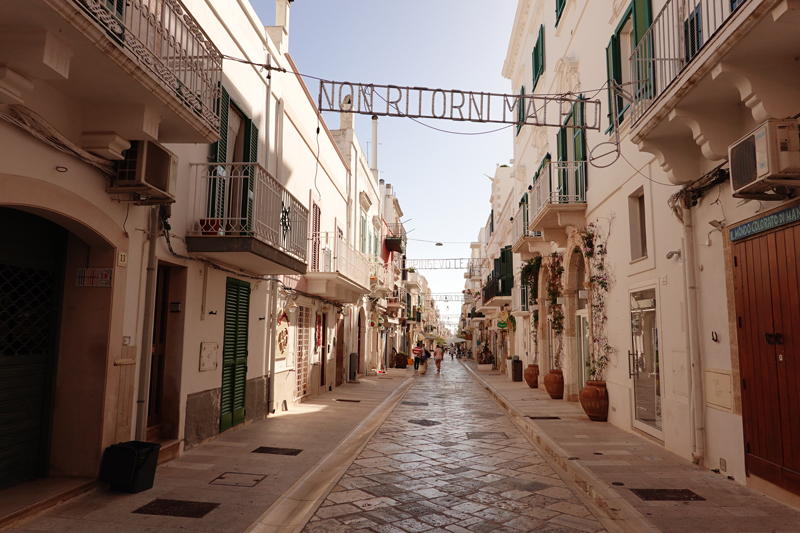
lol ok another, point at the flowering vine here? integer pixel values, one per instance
(595, 249)
(530, 277)
(555, 288)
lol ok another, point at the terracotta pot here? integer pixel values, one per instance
(554, 384)
(210, 226)
(594, 400)
(531, 375)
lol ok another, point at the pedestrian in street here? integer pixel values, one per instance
(452, 352)
(438, 355)
(417, 351)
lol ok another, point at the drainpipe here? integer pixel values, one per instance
(696, 407)
(146, 357)
(272, 326)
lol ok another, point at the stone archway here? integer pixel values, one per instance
(577, 318)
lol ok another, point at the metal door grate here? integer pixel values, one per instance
(667, 495)
(180, 508)
(277, 451)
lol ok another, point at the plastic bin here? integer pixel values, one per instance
(130, 466)
(516, 370)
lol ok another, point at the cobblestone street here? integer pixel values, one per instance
(448, 460)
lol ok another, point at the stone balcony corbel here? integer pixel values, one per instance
(712, 129)
(769, 93)
(677, 157)
(13, 86)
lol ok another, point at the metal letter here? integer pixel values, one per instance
(453, 105)
(433, 103)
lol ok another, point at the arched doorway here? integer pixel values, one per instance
(361, 341)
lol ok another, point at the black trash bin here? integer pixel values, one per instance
(516, 370)
(130, 466)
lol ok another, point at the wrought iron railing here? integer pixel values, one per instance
(397, 230)
(519, 298)
(342, 258)
(243, 199)
(168, 42)
(398, 297)
(560, 182)
(497, 286)
(521, 222)
(379, 272)
(680, 30)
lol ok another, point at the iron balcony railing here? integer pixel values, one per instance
(169, 42)
(497, 286)
(398, 297)
(397, 231)
(519, 298)
(560, 182)
(243, 199)
(340, 256)
(678, 33)
(379, 272)
(521, 223)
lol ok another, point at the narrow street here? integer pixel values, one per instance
(448, 459)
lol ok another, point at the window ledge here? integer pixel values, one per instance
(638, 259)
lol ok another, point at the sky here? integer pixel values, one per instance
(439, 178)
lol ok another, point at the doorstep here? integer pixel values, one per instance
(29, 498)
(170, 449)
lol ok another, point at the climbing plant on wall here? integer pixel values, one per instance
(555, 291)
(529, 275)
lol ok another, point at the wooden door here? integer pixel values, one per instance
(323, 357)
(766, 282)
(340, 352)
(234, 353)
(158, 354)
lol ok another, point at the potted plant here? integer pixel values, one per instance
(400, 361)
(554, 380)
(594, 396)
(529, 275)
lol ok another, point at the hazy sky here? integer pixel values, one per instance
(450, 44)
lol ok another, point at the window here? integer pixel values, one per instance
(521, 109)
(693, 32)
(303, 355)
(571, 157)
(638, 225)
(629, 34)
(363, 233)
(559, 9)
(537, 60)
(316, 215)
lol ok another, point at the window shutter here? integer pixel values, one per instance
(251, 153)
(579, 148)
(561, 145)
(540, 52)
(520, 109)
(363, 234)
(641, 19)
(316, 214)
(559, 9)
(614, 75)
(234, 353)
(220, 148)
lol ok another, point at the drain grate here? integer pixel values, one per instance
(667, 495)
(277, 451)
(544, 417)
(425, 423)
(180, 508)
(238, 479)
(473, 435)
(421, 404)
(343, 400)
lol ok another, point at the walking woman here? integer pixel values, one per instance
(438, 355)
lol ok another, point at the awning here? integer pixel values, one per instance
(455, 340)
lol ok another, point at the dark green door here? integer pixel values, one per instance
(31, 286)
(234, 353)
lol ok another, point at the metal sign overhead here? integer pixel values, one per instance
(446, 264)
(452, 104)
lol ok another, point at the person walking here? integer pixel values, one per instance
(438, 355)
(417, 351)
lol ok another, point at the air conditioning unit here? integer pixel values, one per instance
(149, 171)
(766, 158)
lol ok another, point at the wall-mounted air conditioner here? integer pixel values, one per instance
(149, 171)
(766, 158)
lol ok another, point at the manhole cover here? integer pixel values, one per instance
(472, 435)
(426, 423)
(237, 479)
(183, 509)
(277, 451)
(668, 495)
(342, 400)
(421, 404)
(544, 418)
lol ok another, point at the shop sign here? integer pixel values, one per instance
(766, 223)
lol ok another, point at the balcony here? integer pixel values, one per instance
(342, 273)
(473, 273)
(396, 239)
(497, 291)
(413, 281)
(397, 301)
(524, 241)
(144, 70)
(244, 218)
(520, 304)
(380, 278)
(705, 73)
(558, 199)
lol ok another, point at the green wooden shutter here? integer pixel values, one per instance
(234, 353)
(559, 9)
(363, 234)
(537, 61)
(579, 149)
(614, 75)
(520, 109)
(561, 157)
(220, 148)
(641, 19)
(642, 69)
(251, 155)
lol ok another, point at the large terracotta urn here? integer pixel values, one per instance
(594, 400)
(531, 375)
(554, 384)
(423, 368)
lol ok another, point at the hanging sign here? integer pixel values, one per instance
(452, 104)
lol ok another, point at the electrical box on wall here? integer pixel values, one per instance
(209, 356)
